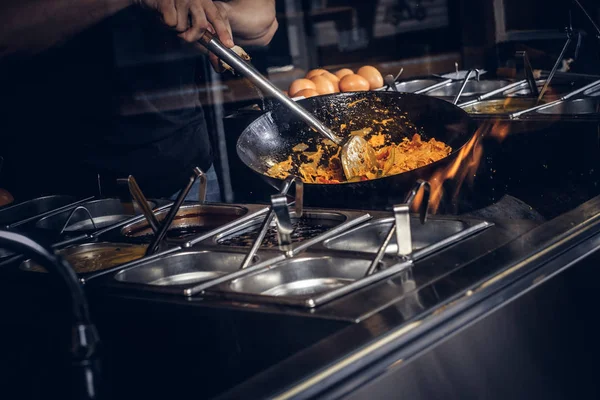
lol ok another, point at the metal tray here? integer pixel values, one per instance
(27, 211)
(573, 107)
(191, 221)
(434, 235)
(329, 223)
(204, 258)
(308, 280)
(180, 272)
(103, 212)
(85, 258)
(472, 88)
(116, 232)
(414, 85)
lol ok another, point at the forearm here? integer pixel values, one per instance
(253, 22)
(30, 26)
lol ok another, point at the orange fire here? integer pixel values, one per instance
(464, 167)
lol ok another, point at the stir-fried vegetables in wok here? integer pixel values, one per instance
(324, 165)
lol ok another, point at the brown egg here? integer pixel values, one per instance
(307, 93)
(373, 75)
(334, 79)
(315, 72)
(324, 85)
(301, 84)
(343, 72)
(354, 83)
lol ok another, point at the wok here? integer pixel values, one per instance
(271, 137)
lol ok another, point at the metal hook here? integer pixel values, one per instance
(401, 225)
(73, 213)
(285, 227)
(298, 211)
(203, 186)
(399, 73)
(299, 193)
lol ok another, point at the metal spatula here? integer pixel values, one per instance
(358, 157)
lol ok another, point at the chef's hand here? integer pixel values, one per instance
(191, 18)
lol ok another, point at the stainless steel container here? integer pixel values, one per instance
(191, 220)
(30, 210)
(414, 85)
(426, 238)
(178, 273)
(306, 281)
(93, 257)
(573, 107)
(501, 106)
(89, 216)
(472, 88)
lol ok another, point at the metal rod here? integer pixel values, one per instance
(528, 72)
(493, 93)
(589, 17)
(399, 74)
(464, 84)
(552, 103)
(71, 216)
(215, 46)
(555, 67)
(434, 86)
(259, 239)
(172, 213)
(299, 200)
(139, 197)
(381, 251)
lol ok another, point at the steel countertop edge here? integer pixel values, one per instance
(550, 247)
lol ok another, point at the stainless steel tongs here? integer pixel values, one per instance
(401, 225)
(160, 230)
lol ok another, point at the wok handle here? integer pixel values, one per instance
(215, 46)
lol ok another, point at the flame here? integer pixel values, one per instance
(464, 167)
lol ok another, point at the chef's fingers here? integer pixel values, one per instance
(220, 24)
(199, 24)
(183, 19)
(168, 12)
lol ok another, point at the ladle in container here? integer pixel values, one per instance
(521, 56)
(390, 80)
(158, 237)
(285, 222)
(401, 225)
(358, 157)
(464, 84)
(448, 78)
(139, 197)
(555, 102)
